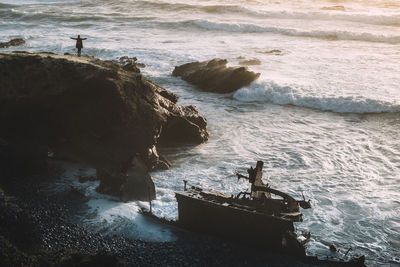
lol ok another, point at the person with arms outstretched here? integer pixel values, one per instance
(79, 44)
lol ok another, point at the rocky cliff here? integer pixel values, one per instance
(94, 111)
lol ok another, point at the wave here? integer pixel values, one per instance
(39, 16)
(330, 35)
(392, 19)
(3, 5)
(286, 95)
(374, 19)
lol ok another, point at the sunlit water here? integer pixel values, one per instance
(323, 116)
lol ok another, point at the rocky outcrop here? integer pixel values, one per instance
(138, 185)
(250, 62)
(13, 42)
(215, 76)
(21, 159)
(93, 111)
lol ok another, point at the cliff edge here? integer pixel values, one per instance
(85, 109)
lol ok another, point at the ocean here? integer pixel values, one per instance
(324, 116)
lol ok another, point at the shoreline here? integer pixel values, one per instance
(50, 237)
(54, 238)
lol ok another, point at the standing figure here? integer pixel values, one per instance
(79, 44)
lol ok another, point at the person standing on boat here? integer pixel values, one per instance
(79, 44)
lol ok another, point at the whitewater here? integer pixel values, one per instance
(323, 116)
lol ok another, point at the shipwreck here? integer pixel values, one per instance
(263, 217)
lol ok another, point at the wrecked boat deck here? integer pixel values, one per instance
(255, 218)
(262, 218)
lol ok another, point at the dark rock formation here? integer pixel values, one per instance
(13, 42)
(21, 159)
(93, 111)
(250, 62)
(138, 184)
(214, 76)
(130, 63)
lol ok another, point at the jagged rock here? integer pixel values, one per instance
(13, 42)
(128, 64)
(215, 76)
(93, 111)
(139, 185)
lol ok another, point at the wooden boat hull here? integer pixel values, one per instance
(233, 223)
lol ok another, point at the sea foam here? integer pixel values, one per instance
(388, 19)
(286, 95)
(374, 19)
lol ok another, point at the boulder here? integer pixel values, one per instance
(215, 76)
(138, 185)
(13, 42)
(92, 111)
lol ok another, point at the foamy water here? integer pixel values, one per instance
(323, 116)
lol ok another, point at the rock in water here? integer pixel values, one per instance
(215, 76)
(250, 62)
(91, 111)
(13, 42)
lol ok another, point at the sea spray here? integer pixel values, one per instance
(286, 95)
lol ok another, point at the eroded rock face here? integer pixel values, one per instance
(139, 185)
(22, 159)
(13, 42)
(93, 111)
(215, 76)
